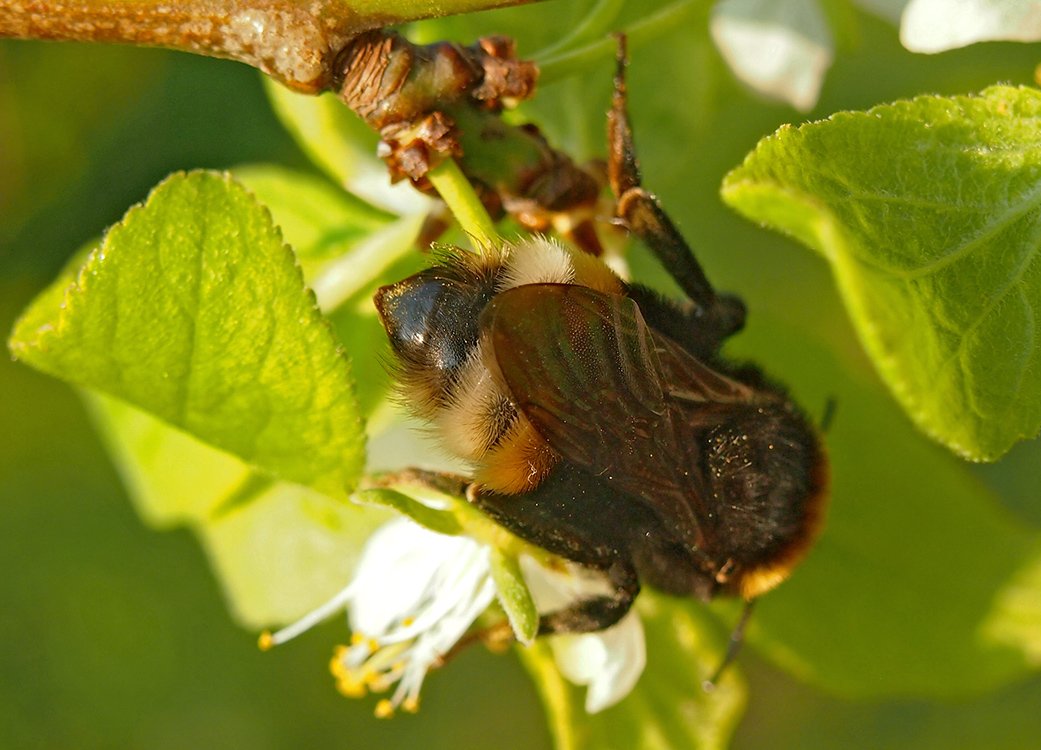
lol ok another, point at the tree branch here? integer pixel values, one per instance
(294, 41)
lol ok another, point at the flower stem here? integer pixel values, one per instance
(458, 193)
(557, 695)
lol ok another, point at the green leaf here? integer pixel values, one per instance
(347, 249)
(286, 552)
(441, 521)
(339, 142)
(514, 596)
(668, 708)
(920, 583)
(172, 477)
(319, 220)
(279, 550)
(193, 310)
(927, 211)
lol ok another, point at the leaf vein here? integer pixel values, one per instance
(1020, 208)
(1015, 283)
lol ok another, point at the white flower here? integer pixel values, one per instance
(416, 593)
(781, 48)
(938, 25)
(610, 661)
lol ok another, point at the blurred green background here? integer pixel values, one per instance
(115, 635)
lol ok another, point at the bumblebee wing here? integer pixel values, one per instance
(600, 387)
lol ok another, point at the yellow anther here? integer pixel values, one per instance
(351, 688)
(337, 667)
(408, 622)
(265, 642)
(340, 652)
(410, 704)
(384, 709)
(357, 639)
(374, 645)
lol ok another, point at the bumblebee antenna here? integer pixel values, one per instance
(737, 637)
(831, 405)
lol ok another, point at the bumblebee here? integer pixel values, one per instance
(601, 421)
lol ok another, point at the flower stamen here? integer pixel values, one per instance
(417, 593)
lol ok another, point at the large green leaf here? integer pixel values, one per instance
(286, 551)
(278, 549)
(928, 211)
(920, 584)
(194, 310)
(347, 249)
(172, 477)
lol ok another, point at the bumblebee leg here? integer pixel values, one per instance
(574, 515)
(585, 616)
(596, 613)
(643, 215)
(439, 481)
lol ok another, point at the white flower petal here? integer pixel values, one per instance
(396, 570)
(414, 594)
(406, 568)
(938, 25)
(626, 647)
(609, 662)
(580, 657)
(555, 589)
(781, 48)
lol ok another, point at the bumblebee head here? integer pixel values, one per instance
(430, 320)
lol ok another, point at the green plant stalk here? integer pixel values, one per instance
(557, 66)
(442, 100)
(595, 23)
(294, 41)
(457, 192)
(557, 695)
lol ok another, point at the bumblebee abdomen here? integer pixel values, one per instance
(768, 476)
